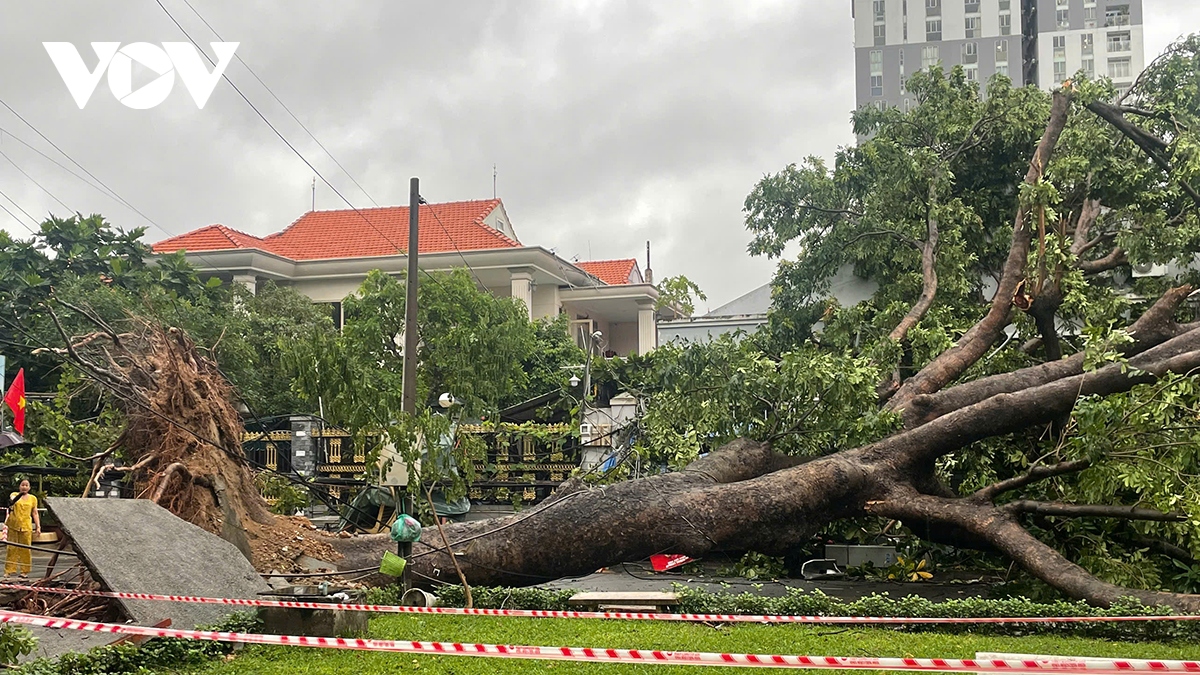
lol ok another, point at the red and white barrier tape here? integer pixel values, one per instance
(559, 614)
(1100, 666)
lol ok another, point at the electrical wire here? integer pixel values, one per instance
(110, 192)
(32, 180)
(14, 203)
(284, 106)
(57, 163)
(276, 131)
(19, 221)
(455, 244)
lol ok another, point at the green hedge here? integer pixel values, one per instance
(799, 602)
(154, 656)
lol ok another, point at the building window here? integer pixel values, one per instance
(970, 52)
(971, 6)
(1120, 68)
(907, 104)
(1063, 18)
(1087, 43)
(879, 8)
(972, 26)
(1001, 51)
(1006, 24)
(1060, 58)
(1089, 17)
(901, 62)
(1117, 15)
(880, 35)
(933, 7)
(933, 30)
(1002, 69)
(1118, 42)
(972, 73)
(1088, 65)
(1004, 5)
(876, 72)
(929, 57)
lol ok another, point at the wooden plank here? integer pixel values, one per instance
(626, 598)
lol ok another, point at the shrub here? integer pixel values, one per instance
(815, 603)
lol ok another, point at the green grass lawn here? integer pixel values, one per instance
(812, 640)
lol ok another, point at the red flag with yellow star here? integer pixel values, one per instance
(15, 398)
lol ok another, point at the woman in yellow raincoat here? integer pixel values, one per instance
(22, 522)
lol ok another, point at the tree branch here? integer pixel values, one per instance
(1089, 212)
(1114, 259)
(879, 233)
(1155, 326)
(1001, 530)
(1063, 510)
(1035, 474)
(950, 364)
(1150, 144)
(1010, 412)
(929, 280)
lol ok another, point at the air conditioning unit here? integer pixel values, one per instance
(1149, 270)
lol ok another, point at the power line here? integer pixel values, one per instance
(14, 203)
(111, 192)
(56, 163)
(286, 142)
(31, 180)
(453, 243)
(284, 105)
(21, 222)
(72, 160)
(266, 121)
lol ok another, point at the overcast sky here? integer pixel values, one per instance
(610, 123)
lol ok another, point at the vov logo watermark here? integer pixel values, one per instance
(172, 58)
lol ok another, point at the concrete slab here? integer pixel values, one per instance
(136, 546)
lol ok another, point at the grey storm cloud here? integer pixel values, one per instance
(610, 123)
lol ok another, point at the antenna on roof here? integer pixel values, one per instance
(314, 193)
(649, 276)
(493, 180)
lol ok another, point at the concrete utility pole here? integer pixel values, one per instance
(408, 396)
(408, 399)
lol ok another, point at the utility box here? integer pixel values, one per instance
(852, 555)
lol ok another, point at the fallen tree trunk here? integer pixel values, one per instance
(742, 496)
(758, 502)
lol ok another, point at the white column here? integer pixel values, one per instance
(647, 328)
(522, 288)
(247, 280)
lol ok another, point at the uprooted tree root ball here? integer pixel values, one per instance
(182, 440)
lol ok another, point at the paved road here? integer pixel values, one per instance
(641, 578)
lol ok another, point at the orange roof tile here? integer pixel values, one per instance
(358, 234)
(208, 238)
(611, 272)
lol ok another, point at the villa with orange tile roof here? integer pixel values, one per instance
(326, 255)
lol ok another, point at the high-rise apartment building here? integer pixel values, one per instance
(1031, 41)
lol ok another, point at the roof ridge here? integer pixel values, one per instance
(232, 229)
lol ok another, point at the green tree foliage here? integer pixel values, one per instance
(679, 292)
(1120, 189)
(543, 365)
(471, 345)
(80, 275)
(698, 397)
